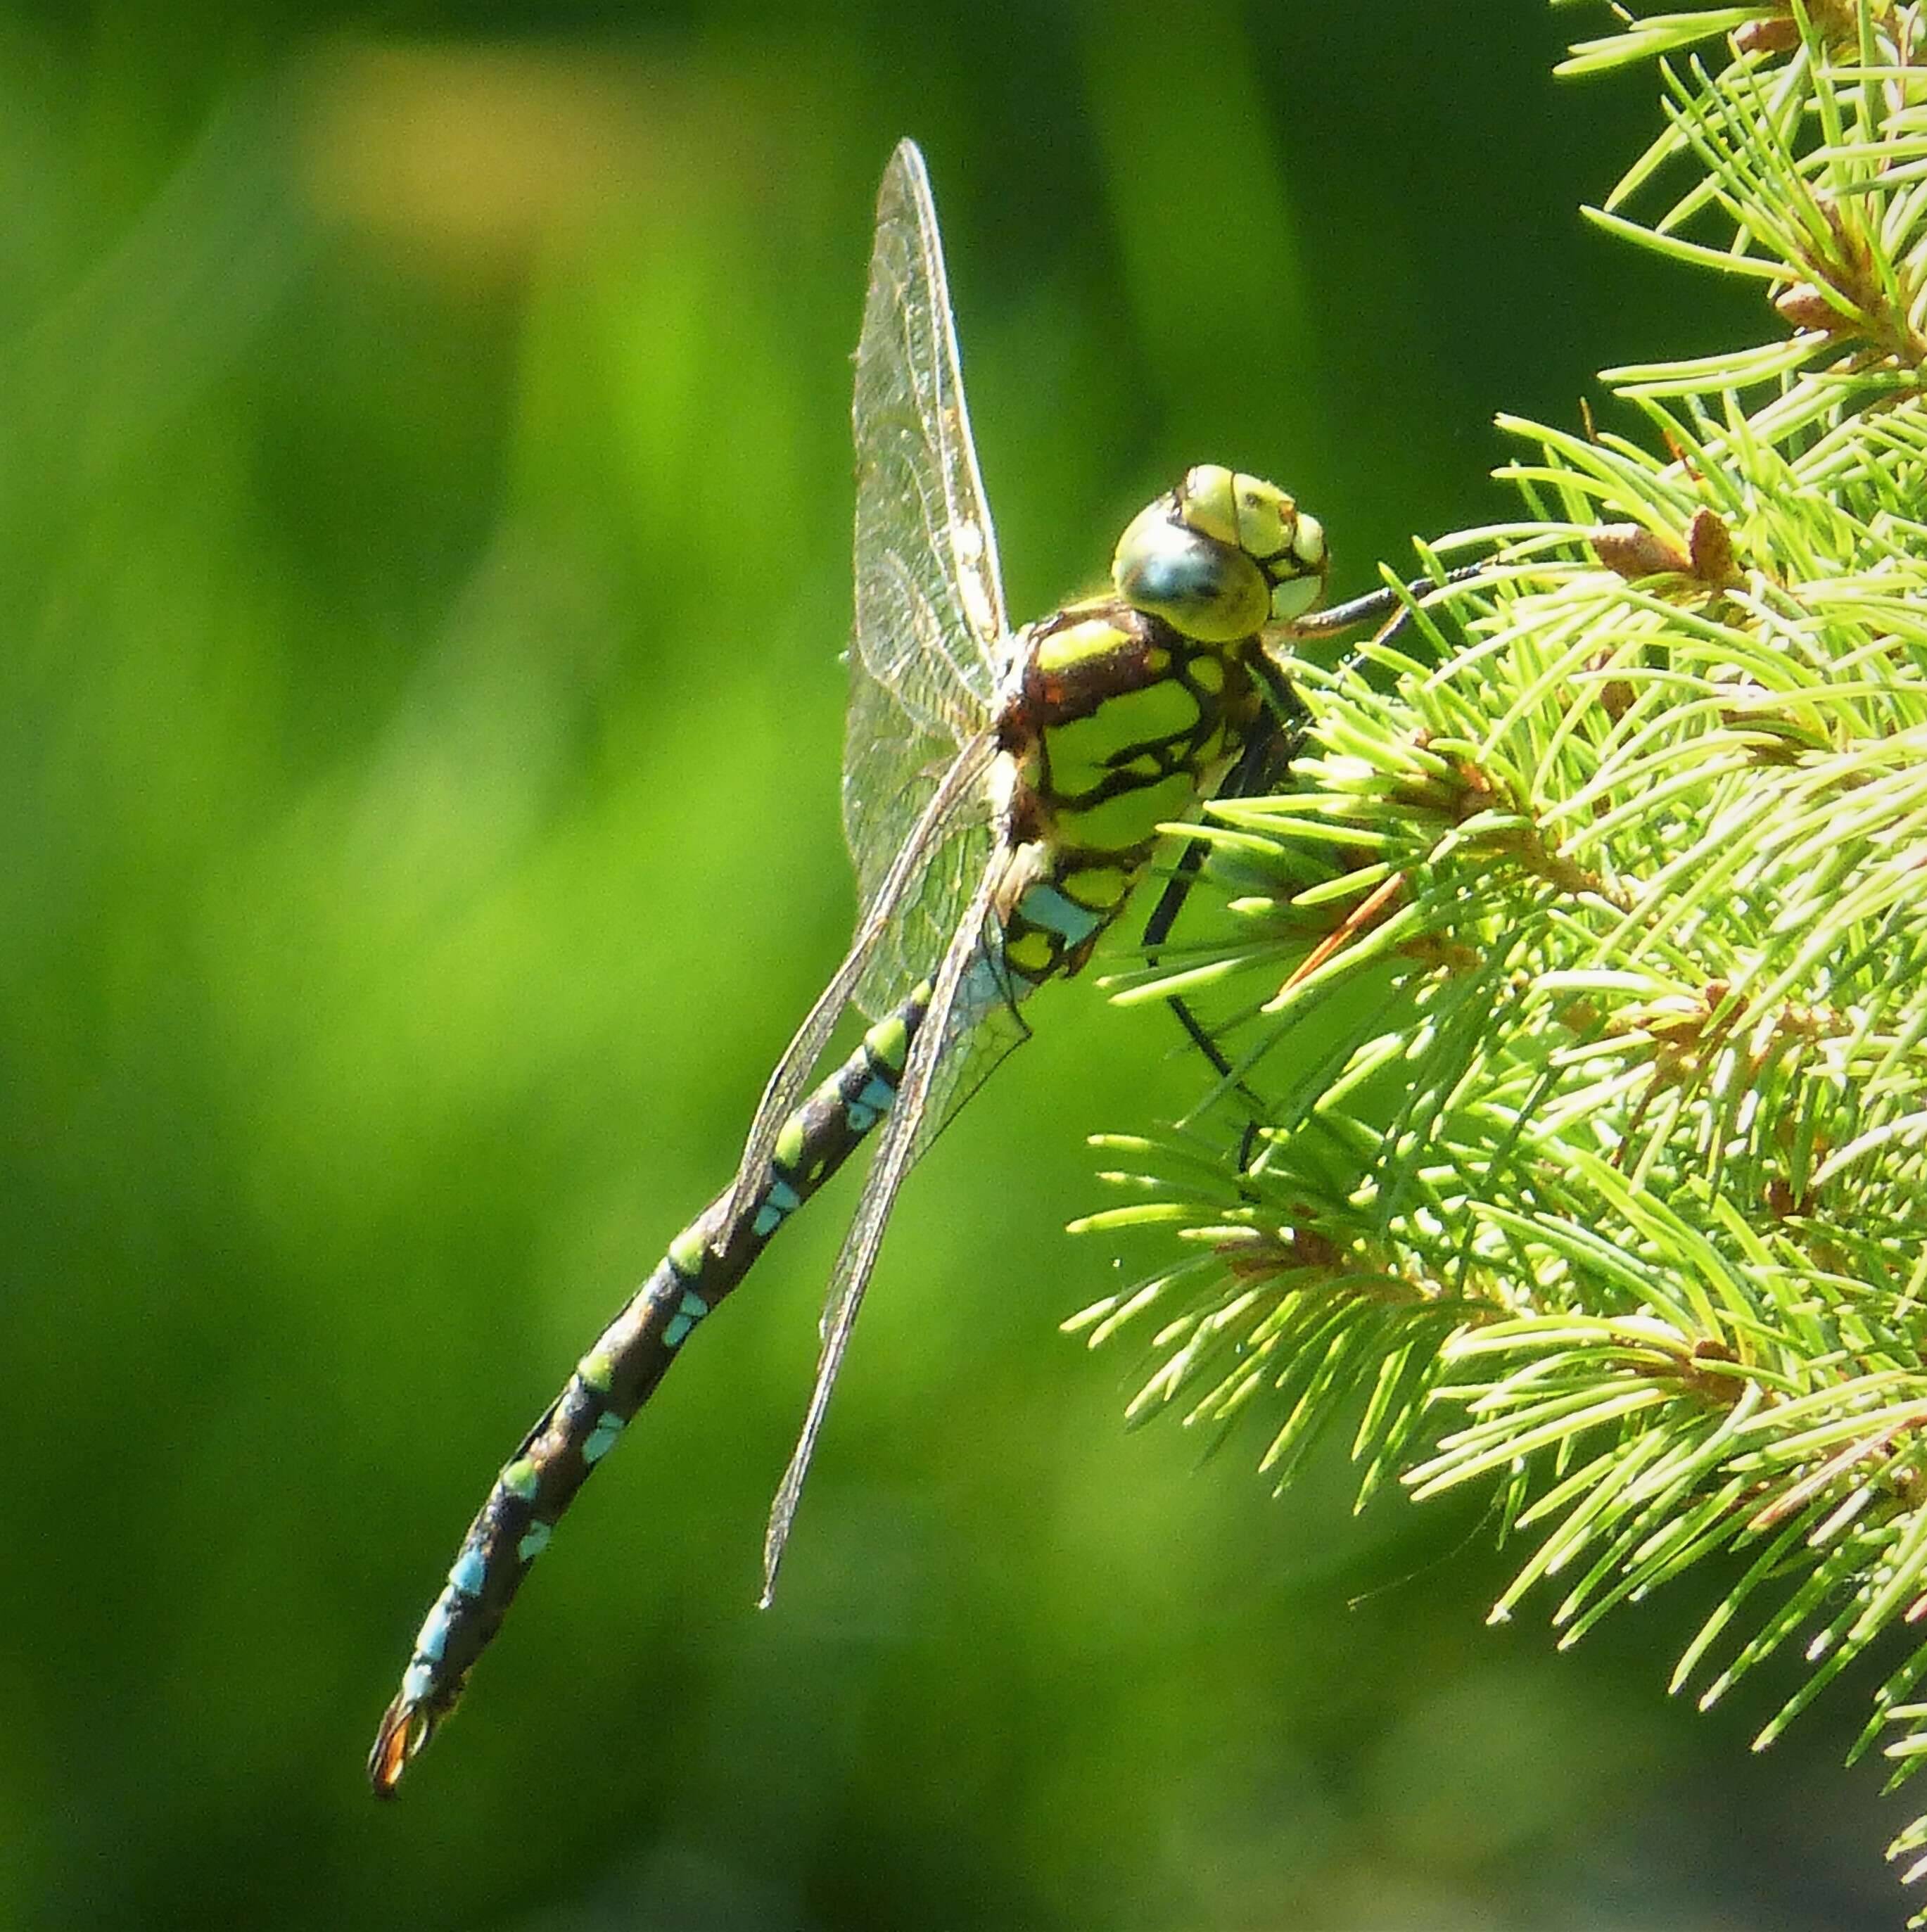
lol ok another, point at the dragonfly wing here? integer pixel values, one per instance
(924, 658)
(984, 1025)
(965, 1013)
(931, 634)
(931, 640)
(934, 836)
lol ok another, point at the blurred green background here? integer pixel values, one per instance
(424, 499)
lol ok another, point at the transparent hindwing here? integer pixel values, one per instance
(929, 642)
(931, 637)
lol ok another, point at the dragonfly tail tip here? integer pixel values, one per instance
(405, 1729)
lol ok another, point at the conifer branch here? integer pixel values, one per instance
(1584, 974)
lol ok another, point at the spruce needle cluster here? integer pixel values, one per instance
(1581, 973)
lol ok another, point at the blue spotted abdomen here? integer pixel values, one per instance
(617, 1376)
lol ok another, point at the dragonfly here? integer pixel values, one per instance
(1003, 792)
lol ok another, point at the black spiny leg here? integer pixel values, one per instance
(1267, 751)
(1267, 757)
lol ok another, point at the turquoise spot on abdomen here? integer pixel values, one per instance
(870, 1105)
(781, 1200)
(689, 1311)
(602, 1438)
(433, 1637)
(1045, 906)
(467, 1575)
(535, 1540)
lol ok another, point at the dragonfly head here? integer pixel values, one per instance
(1221, 557)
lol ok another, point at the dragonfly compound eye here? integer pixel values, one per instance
(1297, 572)
(1221, 556)
(1201, 586)
(1267, 524)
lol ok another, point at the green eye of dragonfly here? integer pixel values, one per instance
(1207, 589)
(1222, 556)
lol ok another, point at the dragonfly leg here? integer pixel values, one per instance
(1267, 748)
(1385, 606)
(1266, 758)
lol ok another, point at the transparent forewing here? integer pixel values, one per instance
(926, 915)
(969, 1026)
(950, 823)
(930, 634)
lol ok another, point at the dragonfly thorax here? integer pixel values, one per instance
(1124, 712)
(1117, 723)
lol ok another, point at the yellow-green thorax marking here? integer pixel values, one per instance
(1123, 713)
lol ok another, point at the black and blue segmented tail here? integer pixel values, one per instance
(617, 1376)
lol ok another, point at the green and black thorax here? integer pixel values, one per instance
(1117, 725)
(1121, 714)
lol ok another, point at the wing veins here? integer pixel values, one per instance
(930, 637)
(964, 500)
(857, 1258)
(792, 1074)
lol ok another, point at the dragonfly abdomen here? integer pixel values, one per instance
(618, 1374)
